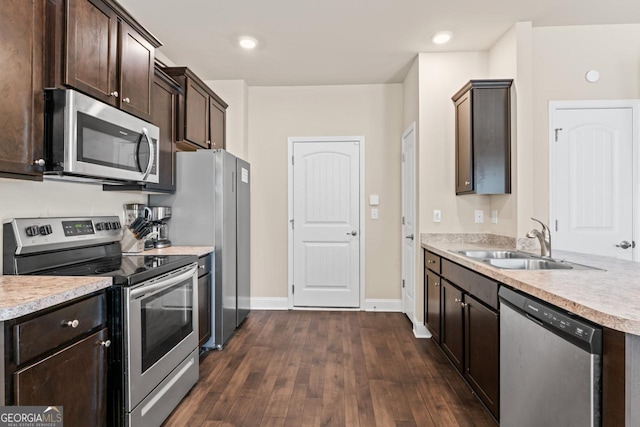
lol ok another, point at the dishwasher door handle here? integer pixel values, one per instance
(530, 317)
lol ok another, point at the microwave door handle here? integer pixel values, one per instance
(152, 153)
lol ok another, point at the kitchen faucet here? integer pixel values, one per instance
(544, 237)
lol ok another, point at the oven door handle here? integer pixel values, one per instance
(146, 290)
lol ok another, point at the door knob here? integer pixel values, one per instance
(626, 245)
(410, 236)
(353, 233)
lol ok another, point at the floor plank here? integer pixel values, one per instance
(321, 368)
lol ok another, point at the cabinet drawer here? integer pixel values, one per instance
(432, 261)
(49, 331)
(204, 265)
(481, 287)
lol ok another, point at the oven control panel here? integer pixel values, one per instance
(43, 234)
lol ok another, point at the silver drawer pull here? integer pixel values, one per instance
(72, 323)
(436, 284)
(467, 182)
(106, 344)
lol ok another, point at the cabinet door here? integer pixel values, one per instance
(91, 49)
(464, 145)
(482, 357)
(204, 308)
(216, 124)
(136, 72)
(74, 378)
(432, 305)
(197, 115)
(452, 338)
(21, 79)
(163, 115)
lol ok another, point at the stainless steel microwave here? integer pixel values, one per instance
(88, 140)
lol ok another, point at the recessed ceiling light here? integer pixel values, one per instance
(441, 37)
(248, 42)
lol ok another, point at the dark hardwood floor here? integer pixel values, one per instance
(319, 368)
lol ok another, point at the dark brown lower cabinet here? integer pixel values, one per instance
(205, 263)
(204, 308)
(432, 305)
(482, 357)
(452, 338)
(74, 378)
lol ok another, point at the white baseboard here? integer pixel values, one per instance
(419, 330)
(383, 305)
(269, 304)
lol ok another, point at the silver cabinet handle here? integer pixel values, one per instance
(457, 300)
(626, 245)
(410, 237)
(72, 323)
(437, 284)
(39, 162)
(106, 344)
(127, 100)
(114, 94)
(430, 261)
(353, 233)
(467, 182)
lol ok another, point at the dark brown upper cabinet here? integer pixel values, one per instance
(21, 77)
(201, 113)
(96, 47)
(483, 137)
(163, 112)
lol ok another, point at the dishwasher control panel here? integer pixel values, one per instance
(559, 320)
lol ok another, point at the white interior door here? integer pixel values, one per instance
(408, 222)
(593, 181)
(326, 218)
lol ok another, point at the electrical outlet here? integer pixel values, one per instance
(479, 216)
(494, 217)
(374, 213)
(437, 215)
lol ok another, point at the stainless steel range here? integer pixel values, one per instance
(153, 305)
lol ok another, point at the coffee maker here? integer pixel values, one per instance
(158, 216)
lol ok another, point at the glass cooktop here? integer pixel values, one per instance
(125, 269)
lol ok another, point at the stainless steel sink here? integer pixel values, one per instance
(494, 254)
(531, 264)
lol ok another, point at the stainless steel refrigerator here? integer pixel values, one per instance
(211, 207)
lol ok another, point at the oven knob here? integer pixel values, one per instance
(45, 230)
(114, 225)
(32, 230)
(107, 226)
(99, 226)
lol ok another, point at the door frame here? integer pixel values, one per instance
(416, 238)
(362, 240)
(634, 104)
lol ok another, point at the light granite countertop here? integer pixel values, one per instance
(609, 297)
(177, 250)
(22, 295)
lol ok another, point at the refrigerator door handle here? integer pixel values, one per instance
(233, 182)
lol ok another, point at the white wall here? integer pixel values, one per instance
(441, 76)
(561, 57)
(276, 113)
(26, 199)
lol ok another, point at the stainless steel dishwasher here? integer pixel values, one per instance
(550, 365)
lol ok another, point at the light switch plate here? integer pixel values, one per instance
(374, 200)
(479, 216)
(437, 215)
(494, 217)
(374, 213)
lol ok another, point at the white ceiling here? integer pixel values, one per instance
(316, 42)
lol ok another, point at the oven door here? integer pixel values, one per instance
(161, 329)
